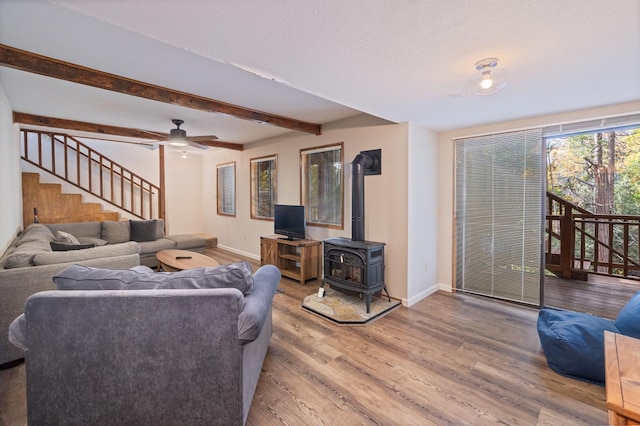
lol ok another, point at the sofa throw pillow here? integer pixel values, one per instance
(143, 230)
(55, 246)
(115, 231)
(65, 237)
(628, 320)
(79, 277)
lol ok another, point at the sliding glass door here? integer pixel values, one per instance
(499, 215)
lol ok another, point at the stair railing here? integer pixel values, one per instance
(85, 168)
(594, 243)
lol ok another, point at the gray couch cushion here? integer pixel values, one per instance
(188, 241)
(18, 260)
(18, 332)
(23, 255)
(78, 229)
(36, 232)
(115, 232)
(143, 230)
(79, 277)
(90, 240)
(107, 251)
(159, 229)
(157, 245)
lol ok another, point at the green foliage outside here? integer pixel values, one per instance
(601, 173)
(572, 165)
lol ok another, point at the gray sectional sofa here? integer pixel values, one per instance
(30, 262)
(137, 347)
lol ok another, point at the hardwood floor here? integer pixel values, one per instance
(449, 359)
(600, 295)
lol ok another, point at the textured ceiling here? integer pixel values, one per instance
(401, 60)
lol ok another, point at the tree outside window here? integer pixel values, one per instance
(322, 185)
(264, 188)
(226, 177)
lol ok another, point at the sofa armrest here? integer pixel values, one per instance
(257, 305)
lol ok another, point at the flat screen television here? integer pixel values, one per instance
(289, 221)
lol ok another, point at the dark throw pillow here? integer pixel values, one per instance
(143, 230)
(55, 246)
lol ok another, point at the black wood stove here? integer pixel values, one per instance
(354, 265)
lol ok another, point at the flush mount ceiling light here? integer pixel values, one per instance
(489, 78)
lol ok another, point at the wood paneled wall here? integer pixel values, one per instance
(55, 207)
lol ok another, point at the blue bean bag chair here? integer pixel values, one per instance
(573, 342)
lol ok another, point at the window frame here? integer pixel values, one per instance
(254, 183)
(220, 189)
(304, 198)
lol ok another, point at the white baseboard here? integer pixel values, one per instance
(240, 252)
(445, 287)
(425, 293)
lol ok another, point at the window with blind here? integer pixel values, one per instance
(499, 215)
(264, 190)
(226, 177)
(322, 185)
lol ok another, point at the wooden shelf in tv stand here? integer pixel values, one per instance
(296, 259)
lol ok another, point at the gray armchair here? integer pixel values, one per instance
(143, 357)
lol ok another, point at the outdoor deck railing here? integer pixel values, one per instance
(594, 243)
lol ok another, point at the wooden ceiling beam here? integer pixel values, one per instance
(104, 129)
(34, 63)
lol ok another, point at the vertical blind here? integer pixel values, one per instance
(498, 201)
(227, 189)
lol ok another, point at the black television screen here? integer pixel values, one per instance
(289, 221)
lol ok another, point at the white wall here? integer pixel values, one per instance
(183, 180)
(385, 194)
(422, 238)
(10, 180)
(446, 173)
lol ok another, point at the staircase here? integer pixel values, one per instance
(79, 165)
(54, 206)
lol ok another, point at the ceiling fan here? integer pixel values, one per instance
(178, 137)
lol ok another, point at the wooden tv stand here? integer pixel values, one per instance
(296, 259)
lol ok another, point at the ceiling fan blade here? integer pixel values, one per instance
(202, 138)
(160, 136)
(196, 144)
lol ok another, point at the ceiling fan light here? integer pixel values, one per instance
(486, 81)
(178, 142)
(489, 78)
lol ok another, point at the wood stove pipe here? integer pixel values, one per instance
(365, 163)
